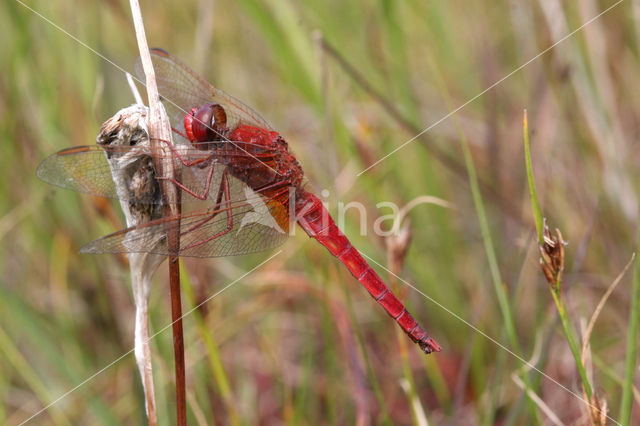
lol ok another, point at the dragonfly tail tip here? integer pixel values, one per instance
(429, 345)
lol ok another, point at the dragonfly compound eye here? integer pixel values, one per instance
(209, 124)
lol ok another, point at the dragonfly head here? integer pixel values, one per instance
(206, 124)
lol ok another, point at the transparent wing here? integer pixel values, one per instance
(92, 169)
(81, 168)
(182, 89)
(253, 222)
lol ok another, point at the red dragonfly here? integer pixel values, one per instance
(220, 143)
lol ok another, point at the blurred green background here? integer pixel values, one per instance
(299, 341)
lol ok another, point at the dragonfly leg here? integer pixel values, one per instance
(180, 133)
(180, 158)
(194, 194)
(224, 189)
(215, 211)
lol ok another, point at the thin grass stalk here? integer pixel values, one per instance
(503, 299)
(537, 211)
(554, 277)
(160, 130)
(410, 387)
(571, 339)
(494, 388)
(599, 307)
(437, 381)
(598, 407)
(329, 335)
(3, 394)
(632, 346)
(300, 396)
(553, 418)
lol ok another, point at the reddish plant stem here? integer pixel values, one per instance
(173, 242)
(178, 341)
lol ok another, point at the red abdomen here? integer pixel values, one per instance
(317, 223)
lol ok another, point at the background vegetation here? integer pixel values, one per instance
(298, 341)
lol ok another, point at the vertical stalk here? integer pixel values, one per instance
(568, 331)
(535, 204)
(552, 263)
(141, 284)
(160, 132)
(632, 347)
(142, 336)
(178, 341)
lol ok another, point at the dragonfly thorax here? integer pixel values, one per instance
(267, 158)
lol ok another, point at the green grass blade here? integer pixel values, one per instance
(632, 346)
(571, 339)
(537, 211)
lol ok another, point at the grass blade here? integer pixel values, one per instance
(632, 347)
(537, 211)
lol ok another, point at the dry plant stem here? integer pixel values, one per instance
(141, 284)
(596, 312)
(598, 408)
(553, 418)
(134, 90)
(160, 130)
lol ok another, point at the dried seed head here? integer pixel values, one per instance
(552, 256)
(398, 244)
(598, 411)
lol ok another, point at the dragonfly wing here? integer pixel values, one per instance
(252, 223)
(82, 168)
(92, 170)
(182, 89)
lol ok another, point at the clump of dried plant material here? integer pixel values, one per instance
(597, 410)
(134, 179)
(552, 256)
